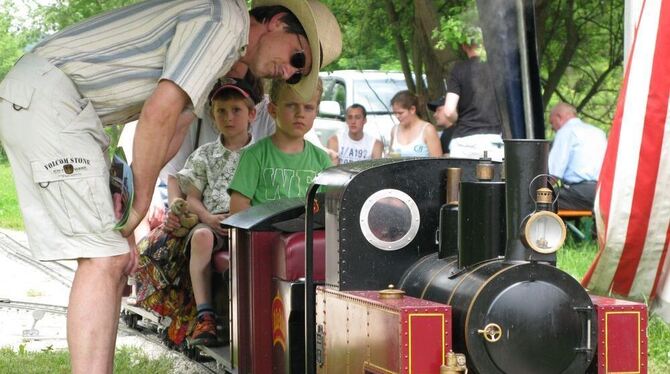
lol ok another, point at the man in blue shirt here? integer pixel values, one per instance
(576, 157)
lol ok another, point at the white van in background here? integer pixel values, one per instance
(371, 88)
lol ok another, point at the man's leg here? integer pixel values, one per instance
(579, 196)
(93, 313)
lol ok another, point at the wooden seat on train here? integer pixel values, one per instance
(572, 218)
(564, 213)
(289, 264)
(289, 256)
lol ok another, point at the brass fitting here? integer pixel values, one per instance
(544, 196)
(391, 293)
(453, 185)
(455, 364)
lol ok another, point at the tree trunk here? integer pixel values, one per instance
(400, 44)
(567, 53)
(436, 61)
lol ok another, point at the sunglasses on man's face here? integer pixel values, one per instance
(297, 60)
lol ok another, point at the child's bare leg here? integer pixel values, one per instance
(202, 243)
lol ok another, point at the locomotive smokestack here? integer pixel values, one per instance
(524, 160)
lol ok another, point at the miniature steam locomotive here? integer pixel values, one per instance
(476, 287)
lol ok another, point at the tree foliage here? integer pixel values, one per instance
(62, 14)
(13, 38)
(580, 43)
(18, 32)
(581, 55)
(580, 49)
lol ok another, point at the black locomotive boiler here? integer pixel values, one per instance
(489, 254)
(515, 313)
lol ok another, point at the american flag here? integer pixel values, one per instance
(633, 200)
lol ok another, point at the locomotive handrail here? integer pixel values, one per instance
(310, 297)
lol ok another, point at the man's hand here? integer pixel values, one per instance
(131, 267)
(134, 219)
(334, 156)
(128, 232)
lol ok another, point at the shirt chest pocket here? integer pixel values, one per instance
(75, 192)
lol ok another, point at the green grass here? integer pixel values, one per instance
(659, 345)
(575, 259)
(127, 360)
(10, 216)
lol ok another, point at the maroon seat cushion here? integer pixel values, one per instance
(289, 256)
(221, 261)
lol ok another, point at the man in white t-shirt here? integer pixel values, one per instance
(352, 144)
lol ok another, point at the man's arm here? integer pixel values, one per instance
(559, 155)
(432, 141)
(377, 149)
(333, 147)
(154, 140)
(451, 107)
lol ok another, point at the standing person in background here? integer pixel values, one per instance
(154, 61)
(445, 128)
(576, 156)
(412, 136)
(352, 143)
(471, 106)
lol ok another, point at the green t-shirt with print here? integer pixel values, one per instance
(265, 173)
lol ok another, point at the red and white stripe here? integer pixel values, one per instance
(633, 200)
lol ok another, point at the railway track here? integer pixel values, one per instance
(59, 272)
(63, 274)
(24, 305)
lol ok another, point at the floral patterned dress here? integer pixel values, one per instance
(163, 280)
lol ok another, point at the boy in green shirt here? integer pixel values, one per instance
(284, 164)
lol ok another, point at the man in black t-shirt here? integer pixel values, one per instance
(471, 104)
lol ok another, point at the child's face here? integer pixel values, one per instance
(355, 120)
(232, 116)
(294, 116)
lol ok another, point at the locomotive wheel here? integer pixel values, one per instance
(130, 319)
(162, 334)
(191, 352)
(165, 339)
